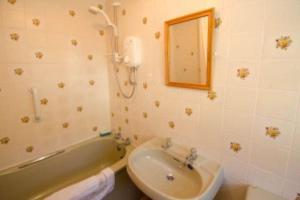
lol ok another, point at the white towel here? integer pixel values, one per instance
(93, 188)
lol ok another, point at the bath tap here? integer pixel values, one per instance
(117, 136)
(126, 141)
(123, 143)
(189, 160)
(168, 144)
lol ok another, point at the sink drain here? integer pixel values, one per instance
(170, 177)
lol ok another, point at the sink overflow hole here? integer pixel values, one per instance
(170, 177)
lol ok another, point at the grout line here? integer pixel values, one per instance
(258, 74)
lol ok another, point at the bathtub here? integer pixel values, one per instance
(40, 177)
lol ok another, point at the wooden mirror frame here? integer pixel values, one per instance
(211, 19)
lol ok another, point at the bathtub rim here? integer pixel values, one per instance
(120, 164)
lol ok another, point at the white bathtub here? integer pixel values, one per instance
(38, 178)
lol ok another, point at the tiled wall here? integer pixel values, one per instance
(252, 126)
(58, 47)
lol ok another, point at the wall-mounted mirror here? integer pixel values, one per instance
(188, 50)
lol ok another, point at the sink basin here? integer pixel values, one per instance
(162, 174)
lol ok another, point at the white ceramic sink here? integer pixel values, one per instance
(162, 175)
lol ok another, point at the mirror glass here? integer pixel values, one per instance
(188, 53)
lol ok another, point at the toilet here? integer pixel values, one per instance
(255, 193)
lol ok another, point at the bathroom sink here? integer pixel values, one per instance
(163, 174)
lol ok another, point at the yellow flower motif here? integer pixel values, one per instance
(72, 13)
(124, 12)
(61, 85)
(44, 101)
(135, 137)
(188, 111)
(112, 114)
(19, 71)
(218, 22)
(283, 42)
(101, 32)
(36, 21)
(145, 115)
(273, 132)
(100, 6)
(171, 124)
(12, 1)
(157, 35)
(39, 55)
(126, 121)
(95, 128)
(236, 147)
(145, 86)
(211, 95)
(126, 108)
(25, 119)
(90, 57)
(125, 83)
(92, 82)
(4, 140)
(29, 149)
(118, 94)
(243, 73)
(74, 42)
(79, 108)
(14, 36)
(65, 125)
(157, 103)
(145, 20)
(120, 128)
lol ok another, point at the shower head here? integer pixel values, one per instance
(94, 10)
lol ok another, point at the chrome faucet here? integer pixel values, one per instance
(123, 143)
(126, 141)
(189, 160)
(168, 143)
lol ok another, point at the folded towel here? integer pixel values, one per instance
(93, 188)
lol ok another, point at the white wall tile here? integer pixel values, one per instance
(248, 15)
(277, 104)
(296, 139)
(239, 123)
(280, 75)
(262, 154)
(293, 171)
(220, 71)
(243, 153)
(245, 45)
(240, 99)
(291, 190)
(265, 180)
(235, 170)
(13, 19)
(250, 81)
(284, 140)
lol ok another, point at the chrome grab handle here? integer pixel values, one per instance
(32, 162)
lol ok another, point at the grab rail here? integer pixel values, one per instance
(41, 158)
